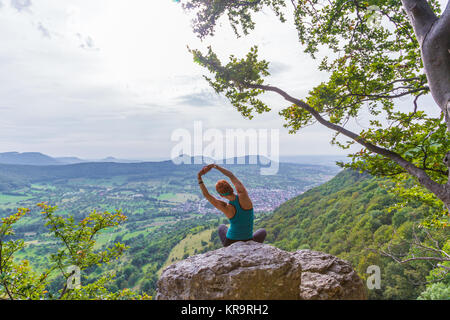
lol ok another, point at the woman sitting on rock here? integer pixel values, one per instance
(239, 209)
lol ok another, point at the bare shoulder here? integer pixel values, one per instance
(229, 211)
(244, 201)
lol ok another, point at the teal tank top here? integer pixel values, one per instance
(241, 225)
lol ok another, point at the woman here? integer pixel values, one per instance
(239, 209)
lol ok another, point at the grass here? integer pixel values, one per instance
(187, 245)
(104, 182)
(166, 196)
(10, 200)
(177, 197)
(108, 236)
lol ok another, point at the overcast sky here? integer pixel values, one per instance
(97, 78)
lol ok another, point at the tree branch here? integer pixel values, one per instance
(439, 190)
(414, 258)
(64, 290)
(443, 267)
(443, 25)
(441, 255)
(1, 271)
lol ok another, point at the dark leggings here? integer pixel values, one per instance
(258, 236)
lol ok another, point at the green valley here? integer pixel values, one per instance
(302, 207)
(160, 199)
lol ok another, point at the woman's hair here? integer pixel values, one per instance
(223, 187)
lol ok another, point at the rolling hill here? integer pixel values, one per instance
(347, 217)
(27, 158)
(40, 159)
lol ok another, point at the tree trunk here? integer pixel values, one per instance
(433, 34)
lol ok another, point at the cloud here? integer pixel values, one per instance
(128, 97)
(276, 67)
(21, 5)
(87, 42)
(199, 99)
(44, 31)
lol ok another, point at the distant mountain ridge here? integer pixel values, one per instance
(70, 160)
(40, 159)
(28, 158)
(327, 160)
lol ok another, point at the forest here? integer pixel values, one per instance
(349, 217)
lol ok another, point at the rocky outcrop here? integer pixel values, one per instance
(244, 270)
(255, 271)
(325, 277)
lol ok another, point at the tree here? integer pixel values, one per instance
(75, 253)
(421, 246)
(369, 65)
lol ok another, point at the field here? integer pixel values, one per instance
(8, 201)
(188, 247)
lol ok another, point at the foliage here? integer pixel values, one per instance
(436, 291)
(439, 281)
(423, 144)
(238, 12)
(231, 79)
(17, 280)
(347, 217)
(373, 60)
(75, 248)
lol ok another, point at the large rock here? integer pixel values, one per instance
(243, 270)
(253, 271)
(325, 277)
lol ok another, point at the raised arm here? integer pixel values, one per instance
(240, 189)
(245, 201)
(219, 204)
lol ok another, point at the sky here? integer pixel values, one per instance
(98, 78)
